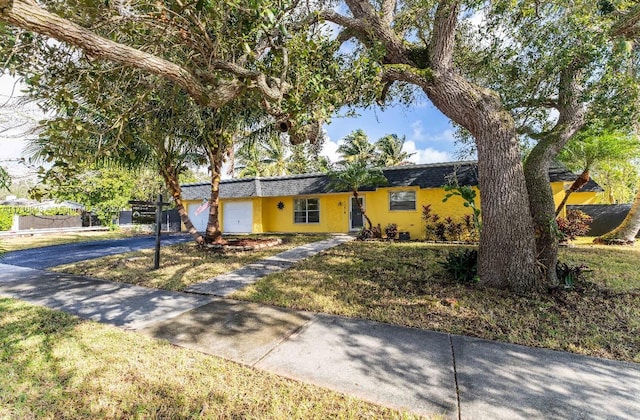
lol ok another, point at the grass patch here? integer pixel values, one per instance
(15, 243)
(403, 284)
(53, 365)
(180, 265)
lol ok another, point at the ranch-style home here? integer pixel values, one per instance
(306, 203)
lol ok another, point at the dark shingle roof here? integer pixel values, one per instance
(433, 175)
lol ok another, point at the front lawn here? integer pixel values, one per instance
(402, 283)
(180, 265)
(55, 366)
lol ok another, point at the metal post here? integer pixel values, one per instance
(156, 261)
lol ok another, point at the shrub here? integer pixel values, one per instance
(462, 266)
(577, 223)
(448, 229)
(569, 274)
(364, 233)
(391, 231)
(6, 220)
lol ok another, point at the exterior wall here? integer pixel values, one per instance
(334, 210)
(378, 208)
(584, 197)
(334, 214)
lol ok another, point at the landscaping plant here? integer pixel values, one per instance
(577, 223)
(462, 265)
(391, 231)
(569, 274)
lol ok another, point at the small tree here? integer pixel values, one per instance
(352, 177)
(390, 151)
(588, 150)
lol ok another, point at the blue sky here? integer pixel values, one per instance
(427, 131)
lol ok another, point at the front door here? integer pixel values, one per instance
(356, 220)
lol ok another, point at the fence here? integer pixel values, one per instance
(170, 220)
(45, 222)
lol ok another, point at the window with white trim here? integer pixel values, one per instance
(306, 210)
(402, 200)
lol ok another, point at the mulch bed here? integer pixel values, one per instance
(244, 244)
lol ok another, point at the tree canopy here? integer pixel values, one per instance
(277, 50)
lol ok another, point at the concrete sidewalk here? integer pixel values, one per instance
(416, 370)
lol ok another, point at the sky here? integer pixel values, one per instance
(428, 133)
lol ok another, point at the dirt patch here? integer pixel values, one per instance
(244, 244)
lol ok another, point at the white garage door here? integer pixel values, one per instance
(238, 217)
(199, 221)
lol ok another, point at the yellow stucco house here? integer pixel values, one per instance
(305, 203)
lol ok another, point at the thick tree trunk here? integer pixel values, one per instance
(171, 180)
(577, 184)
(628, 230)
(536, 170)
(506, 255)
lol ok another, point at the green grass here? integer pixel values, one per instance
(180, 265)
(613, 267)
(53, 366)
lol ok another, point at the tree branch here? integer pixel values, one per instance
(443, 35)
(355, 25)
(387, 10)
(29, 16)
(628, 26)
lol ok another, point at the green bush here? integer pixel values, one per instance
(462, 266)
(448, 229)
(6, 220)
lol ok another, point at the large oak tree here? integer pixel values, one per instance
(413, 42)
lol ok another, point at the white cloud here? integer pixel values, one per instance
(418, 135)
(417, 131)
(446, 136)
(330, 150)
(426, 155)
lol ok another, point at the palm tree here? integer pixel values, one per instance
(248, 161)
(586, 151)
(356, 147)
(276, 156)
(390, 151)
(352, 177)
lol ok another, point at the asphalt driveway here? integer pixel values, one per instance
(50, 256)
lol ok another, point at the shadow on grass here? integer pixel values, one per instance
(55, 365)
